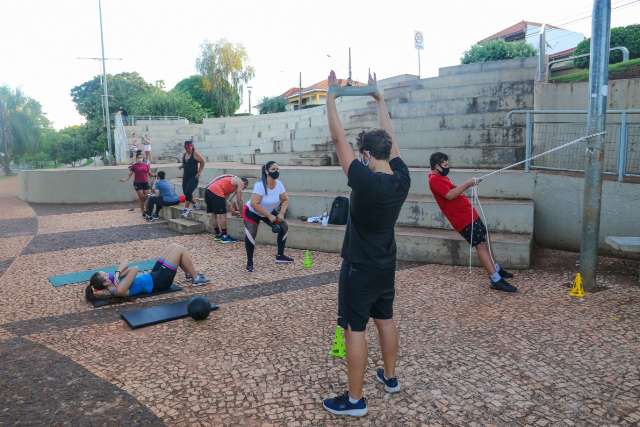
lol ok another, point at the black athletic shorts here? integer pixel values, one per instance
(140, 186)
(163, 273)
(479, 233)
(364, 294)
(215, 203)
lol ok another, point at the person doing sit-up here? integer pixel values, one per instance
(128, 281)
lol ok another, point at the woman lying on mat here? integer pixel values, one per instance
(127, 282)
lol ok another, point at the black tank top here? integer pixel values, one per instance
(190, 166)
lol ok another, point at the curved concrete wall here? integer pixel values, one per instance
(558, 198)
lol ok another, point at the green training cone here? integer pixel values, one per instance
(307, 260)
(338, 349)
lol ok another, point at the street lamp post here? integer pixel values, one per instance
(249, 90)
(106, 89)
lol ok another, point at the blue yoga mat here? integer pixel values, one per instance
(84, 276)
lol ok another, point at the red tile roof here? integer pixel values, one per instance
(520, 27)
(322, 86)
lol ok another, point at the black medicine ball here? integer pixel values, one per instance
(199, 308)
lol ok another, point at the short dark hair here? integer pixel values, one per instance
(161, 175)
(245, 180)
(377, 142)
(437, 158)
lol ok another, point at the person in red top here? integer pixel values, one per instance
(141, 173)
(464, 219)
(218, 191)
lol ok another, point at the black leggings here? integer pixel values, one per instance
(251, 222)
(188, 187)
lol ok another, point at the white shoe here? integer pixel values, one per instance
(185, 213)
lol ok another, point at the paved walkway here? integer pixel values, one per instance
(469, 356)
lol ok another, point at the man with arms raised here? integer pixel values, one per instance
(379, 183)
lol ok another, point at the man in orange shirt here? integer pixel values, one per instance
(218, 191)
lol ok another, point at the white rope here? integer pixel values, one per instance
(575, 141)
(475, 197)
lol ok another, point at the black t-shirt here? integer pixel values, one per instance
(376, 200)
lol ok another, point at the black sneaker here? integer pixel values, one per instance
(505, 274)
(283, 259)
(249, 267)
(503, 285)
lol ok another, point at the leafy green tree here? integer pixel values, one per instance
(21, 124)
(276, 104)
(496, 50)
(628, 37)
(160, 103)
(224, 69)
(194, 87)
(123, 89)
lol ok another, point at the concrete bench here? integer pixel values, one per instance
(625, 244)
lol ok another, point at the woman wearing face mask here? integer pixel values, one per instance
(268, 204)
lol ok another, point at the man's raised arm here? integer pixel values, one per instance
(338, 136)
(384, 119)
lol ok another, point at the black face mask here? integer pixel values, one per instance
(274, 175)
(444, 171)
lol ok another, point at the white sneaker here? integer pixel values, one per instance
(185, 213)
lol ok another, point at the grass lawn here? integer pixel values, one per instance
(621, 70)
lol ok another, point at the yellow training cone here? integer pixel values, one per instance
(577, 290)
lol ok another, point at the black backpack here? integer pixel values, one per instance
(339, 211)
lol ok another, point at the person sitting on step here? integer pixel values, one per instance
(165, 195)
(218, 191)
(464, 218)
(128, 281)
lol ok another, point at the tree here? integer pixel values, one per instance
(160, 103)
(628, 37)
(495, 50)
(123, 89)
(21, 124)
(277, 104)
(194, 87)
(224, 71)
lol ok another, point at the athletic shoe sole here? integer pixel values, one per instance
(350, 412)
(200, 283)
(386, 387)
(278, 261)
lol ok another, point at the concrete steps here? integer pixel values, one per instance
(414, 243)
(185, 226)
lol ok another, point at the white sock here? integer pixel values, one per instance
(495, 277)
(353, 401)
(497, 266)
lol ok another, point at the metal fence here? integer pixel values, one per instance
(547, 129)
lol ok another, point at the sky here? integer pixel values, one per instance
(41, 40)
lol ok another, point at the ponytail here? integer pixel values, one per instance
(265, 168)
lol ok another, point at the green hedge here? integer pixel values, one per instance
(628, 37)
(496, 50)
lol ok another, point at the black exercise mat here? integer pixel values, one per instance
(116, 300)
(157, 314)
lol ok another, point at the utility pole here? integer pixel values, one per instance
(249, 90)
(300, 93)
(596, 121)
(542, 54)
(106, 90)
(418, 38)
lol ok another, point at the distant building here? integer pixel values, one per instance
(313, 95)
(560, 42)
